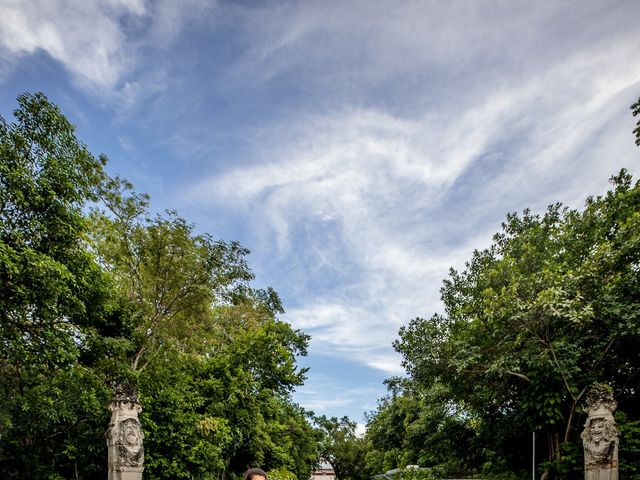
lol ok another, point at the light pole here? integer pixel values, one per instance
(533, 456)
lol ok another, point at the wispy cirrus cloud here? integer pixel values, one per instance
(356, 49)
(402, 196)
(360, 148)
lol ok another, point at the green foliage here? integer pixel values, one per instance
(53, 297)
(281, 474)
(57, 423)
(48, 277)
(629, 446)
(421, 474)
(89, 300)
(343, 449)
(534, 320)
(415, 426)
(635, 108)
(205, 417)
(171, 277)
(210, 357)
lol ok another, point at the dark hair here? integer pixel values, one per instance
(249, 474)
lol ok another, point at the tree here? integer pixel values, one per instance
(213, 416)
(414, 426)
(196, 320)
(534, 320)
(46, 177)
(53, 299)
(120, 295)
(343, 449)
(172, 277)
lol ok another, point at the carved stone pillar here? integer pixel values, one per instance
(124, 436)
(600, 436)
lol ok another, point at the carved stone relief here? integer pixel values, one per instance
(124, 437)
(600, 436)
(130, 449)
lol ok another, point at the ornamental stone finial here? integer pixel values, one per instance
(600, 435)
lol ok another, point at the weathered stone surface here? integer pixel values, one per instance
(124, 437)
(600, 436)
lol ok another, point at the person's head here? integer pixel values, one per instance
(255, 474)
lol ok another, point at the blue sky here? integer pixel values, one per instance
(358, 148)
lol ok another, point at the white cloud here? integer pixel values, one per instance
(356, 166)
(104, 45)
(348, 331)
(323, 404)
(327, 395)
(85, 37)
(362, 45)
(378, 184)
(403, 132)
(169, 18)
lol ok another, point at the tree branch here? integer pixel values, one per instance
(519, 375)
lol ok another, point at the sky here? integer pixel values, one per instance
(359, 149)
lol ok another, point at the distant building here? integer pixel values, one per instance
(323, 472)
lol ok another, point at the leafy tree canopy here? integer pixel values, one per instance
(96, 290)
(343, 448)
(551, 307)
